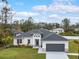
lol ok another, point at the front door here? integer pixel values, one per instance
(37, 42)
(19, 41)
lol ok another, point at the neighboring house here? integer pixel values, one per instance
(39, 38)
(76, 29)
(58, 30)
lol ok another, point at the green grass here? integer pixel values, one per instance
(73, 57)
(30, 53)
(20, 53)
(69, 34)
(73, 47)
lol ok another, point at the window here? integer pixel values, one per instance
(34, 35)
(19, 41)
(28, 41)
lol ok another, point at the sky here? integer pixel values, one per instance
(51, 11)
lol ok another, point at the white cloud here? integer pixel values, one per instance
(26, 14)
(63, 8)
(65, 2)
(61, 17)
(40, 8)
(73, 19)
(53, 15)
(59, 6)
(23, 15)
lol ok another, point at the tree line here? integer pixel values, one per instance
(24, 25)
(29, 24)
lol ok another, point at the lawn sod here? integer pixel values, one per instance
(73, 47)
(30, 53)
(20, 53)
(73, 57)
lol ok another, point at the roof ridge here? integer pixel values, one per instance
(40, 31)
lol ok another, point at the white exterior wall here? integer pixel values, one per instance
(14, 41)
(36, 36)
(55, 42)
(25, 41)
(58, 30)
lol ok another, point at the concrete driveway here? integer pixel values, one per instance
(56, 55)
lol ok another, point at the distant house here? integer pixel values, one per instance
(58, 30)
(39, 38)
(76, 29)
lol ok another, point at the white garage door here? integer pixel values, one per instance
(56, 55)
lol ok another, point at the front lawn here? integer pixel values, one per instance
(20, 53)
(73, 46)
(30, 53)
(73, 57)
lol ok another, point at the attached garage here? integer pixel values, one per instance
(54, 42)
(56, 51)
(55, 47)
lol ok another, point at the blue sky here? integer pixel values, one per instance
(27, 4)
(46, 10)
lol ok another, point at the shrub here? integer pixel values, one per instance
(28, 46)
(22, 46)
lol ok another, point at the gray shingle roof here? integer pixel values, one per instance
(54, 37)
(40, 31)
(47, 36)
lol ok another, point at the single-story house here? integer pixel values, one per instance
(76, 29)
(40, 38)
(58, 30)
